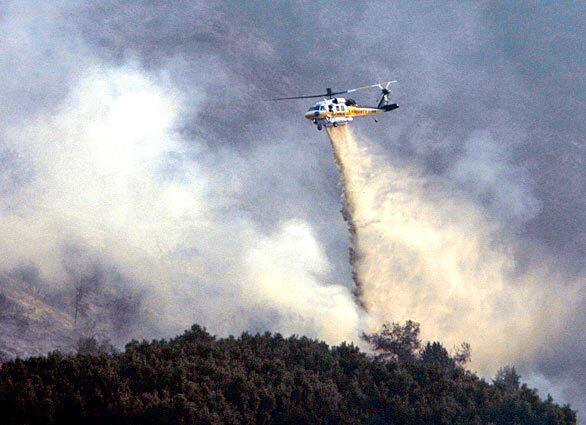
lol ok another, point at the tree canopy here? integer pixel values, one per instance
(265, 378)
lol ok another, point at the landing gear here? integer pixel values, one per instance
(319, 127)
(335, 124)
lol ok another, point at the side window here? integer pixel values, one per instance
(337, 107)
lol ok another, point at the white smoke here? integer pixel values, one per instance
(109, 180)
(423, 252)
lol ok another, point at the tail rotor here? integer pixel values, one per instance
(386, 90)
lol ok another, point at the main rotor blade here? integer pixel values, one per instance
(369, 87)
(329, 94)
(308, 96)
(298, 97)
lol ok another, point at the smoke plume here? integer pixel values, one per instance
(422, 251)
(126, 234)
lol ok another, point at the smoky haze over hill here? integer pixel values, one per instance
(144, 186)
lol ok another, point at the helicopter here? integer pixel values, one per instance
(336, 111)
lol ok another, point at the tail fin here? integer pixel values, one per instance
(389, 107)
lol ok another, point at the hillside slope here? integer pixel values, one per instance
(29, 324)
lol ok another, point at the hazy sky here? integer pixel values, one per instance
(135, 149)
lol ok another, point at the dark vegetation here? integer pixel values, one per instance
(197, 378)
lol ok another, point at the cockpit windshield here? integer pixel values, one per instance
(314, 108)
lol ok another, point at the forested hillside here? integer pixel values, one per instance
(198, 378)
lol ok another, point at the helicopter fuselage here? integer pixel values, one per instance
(334, 111)
(340, 111)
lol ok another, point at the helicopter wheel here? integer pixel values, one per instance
(319, 127)
(335, 124)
